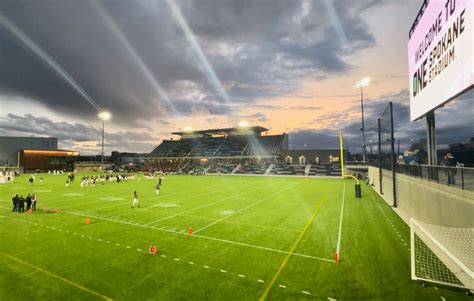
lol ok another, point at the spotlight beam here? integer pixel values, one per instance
(209, 71)
(133, 53)
(336, 23)
(20, 35)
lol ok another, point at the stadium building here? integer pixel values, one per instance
(28, 154)
(242, 150)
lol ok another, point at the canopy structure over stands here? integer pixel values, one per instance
(239, 142)
(251, 130)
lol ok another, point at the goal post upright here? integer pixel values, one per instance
(341, 146)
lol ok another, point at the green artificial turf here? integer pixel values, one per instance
(244, 228)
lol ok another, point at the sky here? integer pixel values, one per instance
(162, 65)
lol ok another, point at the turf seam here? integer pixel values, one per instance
(285, 260)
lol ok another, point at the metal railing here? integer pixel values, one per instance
(461, 177)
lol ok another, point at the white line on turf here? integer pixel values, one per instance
(205, 266)
(205, 205)
(192, 263)
(203, 237)
(185, 199)
(305, 292)
(386, 216)
(338, 246)
(248, 207)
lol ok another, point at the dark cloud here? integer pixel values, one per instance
(73, 135)
(257, 48)
(455, 124)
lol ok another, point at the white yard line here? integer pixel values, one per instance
(154, 197)
(338, 247)
(201, 237)
(185, 199)
(261, 248)
(206, 205)
(248, 207)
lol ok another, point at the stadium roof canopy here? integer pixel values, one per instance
(223, 132)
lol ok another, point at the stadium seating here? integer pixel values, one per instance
(232, 147)
(252, 167)
(264, 145)
(288, 169)
(164, 148)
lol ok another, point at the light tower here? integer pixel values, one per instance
(104, 116)
(360, 84)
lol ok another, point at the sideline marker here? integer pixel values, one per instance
(190, 231)
(153, 250)
(337, 258)
(88, 221)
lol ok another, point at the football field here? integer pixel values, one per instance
(267, 238)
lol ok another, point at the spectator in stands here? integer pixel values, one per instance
(15, 201)
(450, 163)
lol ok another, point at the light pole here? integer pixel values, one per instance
(104, 116)
(360, 84)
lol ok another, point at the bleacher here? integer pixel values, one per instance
(164, 148)
(253, 168)
(240, 150)
(288, 169)
(182, 149)
(222, 167)
(232, 147)
(206, 147)
(258, 146)
(325, 170)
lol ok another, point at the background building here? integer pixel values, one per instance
(35, 153)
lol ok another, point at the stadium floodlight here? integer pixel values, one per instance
(104, 116)
(244, 123)
(360, 84)
(188, 129)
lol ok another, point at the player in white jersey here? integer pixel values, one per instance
(135, 200)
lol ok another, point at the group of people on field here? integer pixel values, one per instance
(19, 203)
(91, 181)
(157, 187)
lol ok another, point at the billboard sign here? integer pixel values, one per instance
(440, 54)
